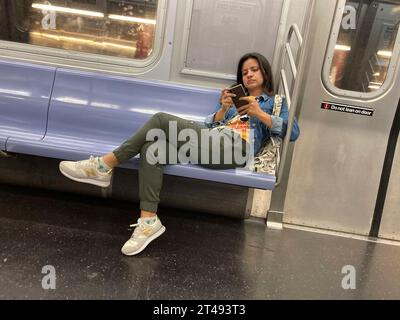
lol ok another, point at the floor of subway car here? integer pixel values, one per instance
(198, 257)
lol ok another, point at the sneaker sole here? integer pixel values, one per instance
(89, 181)
(150, 239)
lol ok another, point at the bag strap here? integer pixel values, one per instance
(277, 105)
(276, 111)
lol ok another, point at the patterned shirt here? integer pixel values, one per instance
(261, 131)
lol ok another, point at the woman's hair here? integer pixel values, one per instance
(265, 69)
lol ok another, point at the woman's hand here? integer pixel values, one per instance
(252, 109)
(226, 100)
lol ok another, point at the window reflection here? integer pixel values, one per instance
(115, 28)
(363, 52)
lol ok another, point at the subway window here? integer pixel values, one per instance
(220, 29)
(124, 29)
(365, 45)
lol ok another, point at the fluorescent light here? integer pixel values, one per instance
(377, 74)
(61, 38)
(68, 10)
(386, 54)
(132, 19)
(341, 47)
(81, 40)
(92, 13)
(374, 87)
(120, 46)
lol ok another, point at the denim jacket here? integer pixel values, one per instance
(261, 131)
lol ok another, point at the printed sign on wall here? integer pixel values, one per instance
(360, 111)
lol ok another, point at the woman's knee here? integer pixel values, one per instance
(161, 116)
(160, 120)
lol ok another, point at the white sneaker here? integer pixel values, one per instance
(143, 234)
(86, 171)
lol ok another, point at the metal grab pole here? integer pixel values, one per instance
(292, 111)
(293, 28)
(293, 102)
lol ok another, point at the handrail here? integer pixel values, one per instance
(286, 88)
(295, 28)
(288, 50)
(290, 101)
(291, 60)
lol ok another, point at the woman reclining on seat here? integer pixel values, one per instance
(239, 136)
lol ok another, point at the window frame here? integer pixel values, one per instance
(334, 35)
(184, 69)
(62, 57)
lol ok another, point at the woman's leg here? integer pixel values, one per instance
(111, 160)
(232, 151)
(150, 183)
(150, 176)
(149, 227)
(162, 121)
(165, 123)
(97, 171)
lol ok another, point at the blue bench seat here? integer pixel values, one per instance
(25, 91)
(91, 114)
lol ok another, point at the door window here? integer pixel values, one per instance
(365, 45)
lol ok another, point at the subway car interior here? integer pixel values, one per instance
(77, 78)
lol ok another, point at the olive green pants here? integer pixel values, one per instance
(200, 149)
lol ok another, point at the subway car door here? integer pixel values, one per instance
(345, 169)
(388, 223)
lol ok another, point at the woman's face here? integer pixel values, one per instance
(253, 78)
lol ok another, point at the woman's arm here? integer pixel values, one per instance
(253, 109)
(285, 119)
(265, 118)
(277, 125)
(220, 115)
(226, 102)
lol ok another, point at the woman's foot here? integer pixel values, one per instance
(86, 171)
(147, 230)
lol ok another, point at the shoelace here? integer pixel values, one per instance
(142, 226)
(136, 225)
(87, 163)
(91, 163)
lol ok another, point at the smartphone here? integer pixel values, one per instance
(238, 90)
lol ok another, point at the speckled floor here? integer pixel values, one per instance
(199, 256)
